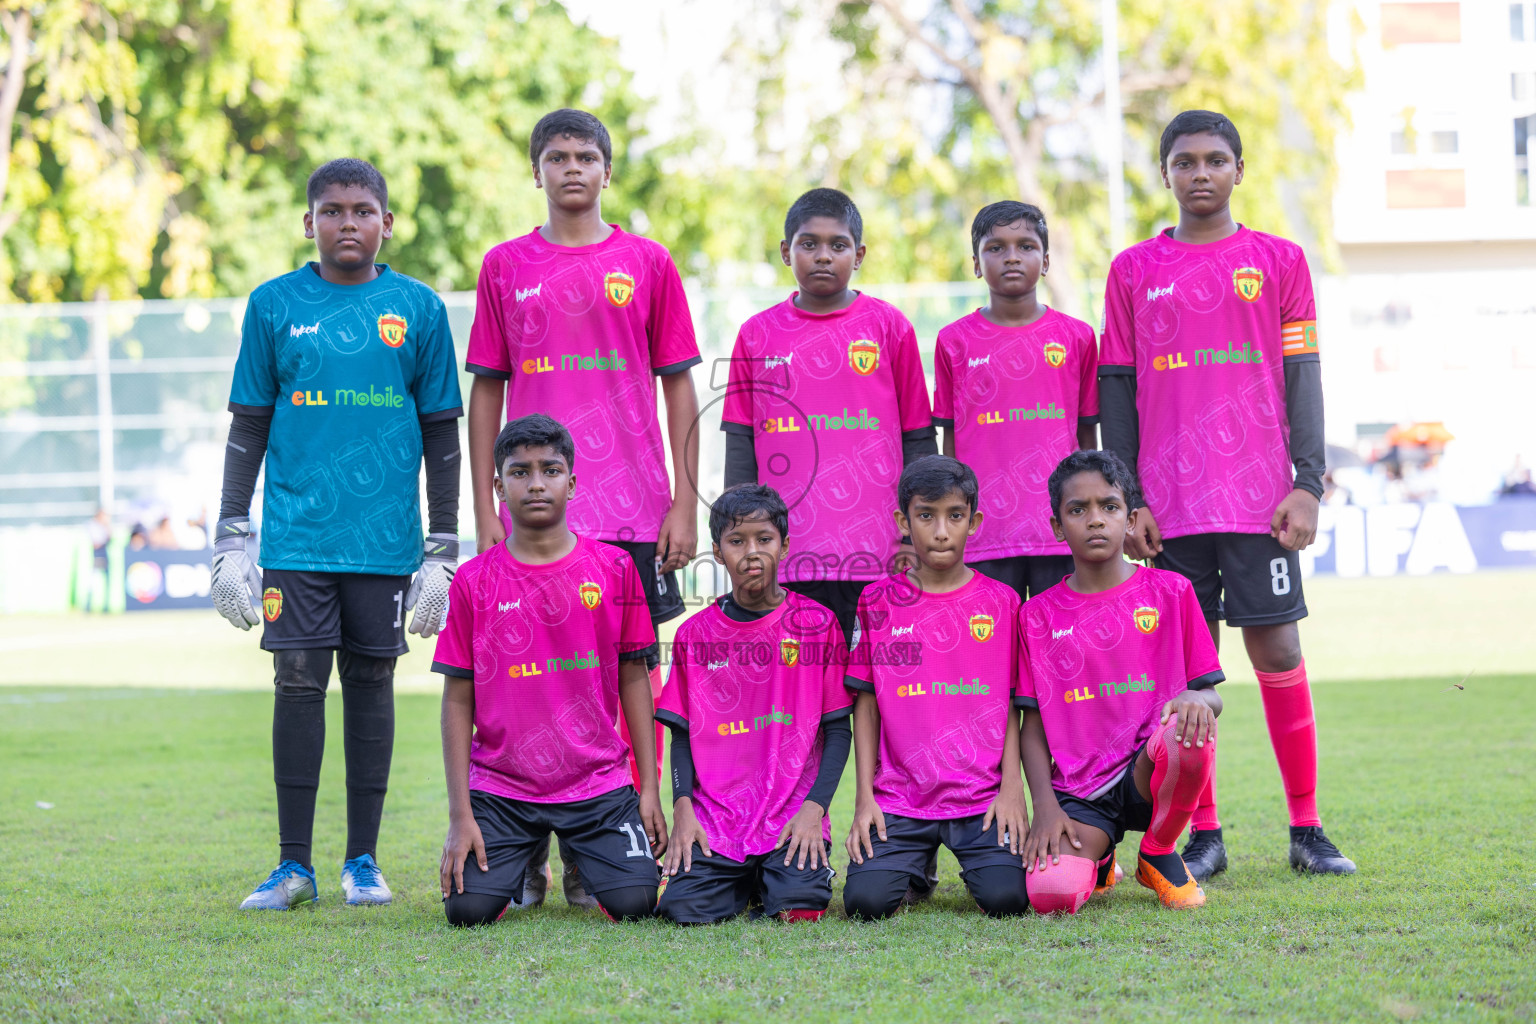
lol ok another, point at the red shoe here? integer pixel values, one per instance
(1178, 897)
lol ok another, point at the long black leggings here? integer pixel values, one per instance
(469, 909)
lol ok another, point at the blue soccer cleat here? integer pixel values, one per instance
(289, 885)
(364, 883)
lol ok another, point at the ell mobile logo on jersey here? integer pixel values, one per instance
(353, 398)
(1210, 357)
(1019, 415)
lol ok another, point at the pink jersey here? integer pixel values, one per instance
(826, 399)
(941, 667)
(1015, 397)
(1205, 329)
(542, 643)
(1101, 666)
(753, 696)
(580, 334)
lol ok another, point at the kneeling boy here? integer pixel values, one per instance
(1116, 669)
(547, 636)
(760, 733)
(937, 742)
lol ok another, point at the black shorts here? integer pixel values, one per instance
(717, 888)
(1248, 579)
(910, 844)
(1118, 811)
(840, 597)
(361, 612)
(604, 835)
(661, 593)
(1029, 575)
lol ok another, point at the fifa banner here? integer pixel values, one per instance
(1416, 540)
(167, 579)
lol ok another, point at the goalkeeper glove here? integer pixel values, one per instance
(429, 590)
(236, 582)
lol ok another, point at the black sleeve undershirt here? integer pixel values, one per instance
(1119, 430)
(917, 443)
(682, 763)
(1304, 410)
(838, 734)
(440, 453)
(247, 446)
(740, 457)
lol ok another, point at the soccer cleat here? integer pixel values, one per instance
(1205, 855)
(1109, 875)
(1177, 897)
(536, 884)
(289, 885)
(364, 883)
(1312, 852)
(576, 893)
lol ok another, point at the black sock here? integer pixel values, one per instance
(298, 745)
(368, 726)
(1170, 865)
(1213, 833)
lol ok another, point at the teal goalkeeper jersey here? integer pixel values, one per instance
(346, 372)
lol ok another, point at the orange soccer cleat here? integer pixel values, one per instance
(1109, 875)
(1178, 897)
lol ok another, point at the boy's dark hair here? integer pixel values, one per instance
(824, 202)
(1105, 463)
(1199, 122)
(347, 171)
(1009, 211)
(746, 501)
(534, 431)
(575, 124)
(933, 476)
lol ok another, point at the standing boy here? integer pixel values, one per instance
(935, 735)
(547, 635)
(1116, 670)
(345, 383)
(1210, 366)
(760, 734)
(1015, 389)
(578, 319)
(826, 402)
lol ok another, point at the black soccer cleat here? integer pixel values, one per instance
(1314, 853)
(1205, 855)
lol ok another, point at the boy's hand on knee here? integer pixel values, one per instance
(654, 821)
(1051, 823)
(463, 838)
(803, 833)
(866, 816)
(686, 831)
(1193, 720)
(1011, 817)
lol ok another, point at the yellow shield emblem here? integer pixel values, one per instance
(591, 595)
(272, 603)
(619, 287)
(1145, 619)
(981, 627)
(1055, 353)
(864, 357)
(1248, 282)
(392, 330)
(789, 651)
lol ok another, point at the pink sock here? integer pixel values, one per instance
(1179, 775)
(1293, 734)
(1061, 888)
(1205, 812)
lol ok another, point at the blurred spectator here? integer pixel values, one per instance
(99, 530)
(163, 536)
(1517, 481)
(138, 540)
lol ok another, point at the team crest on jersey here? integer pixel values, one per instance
(789, 652)
(591, 595)
(272, 603)
(1055, 353)
(864, 357)
(619, 287)
(982, 627)
(392, 330)
(1145, 619)
(1248, 282)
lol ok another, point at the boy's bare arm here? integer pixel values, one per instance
(639, 713)
(680, 530)
(458, 723)
(1008, 808)
(487, 398)
(866, 746)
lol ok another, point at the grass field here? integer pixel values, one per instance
(117, 899)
